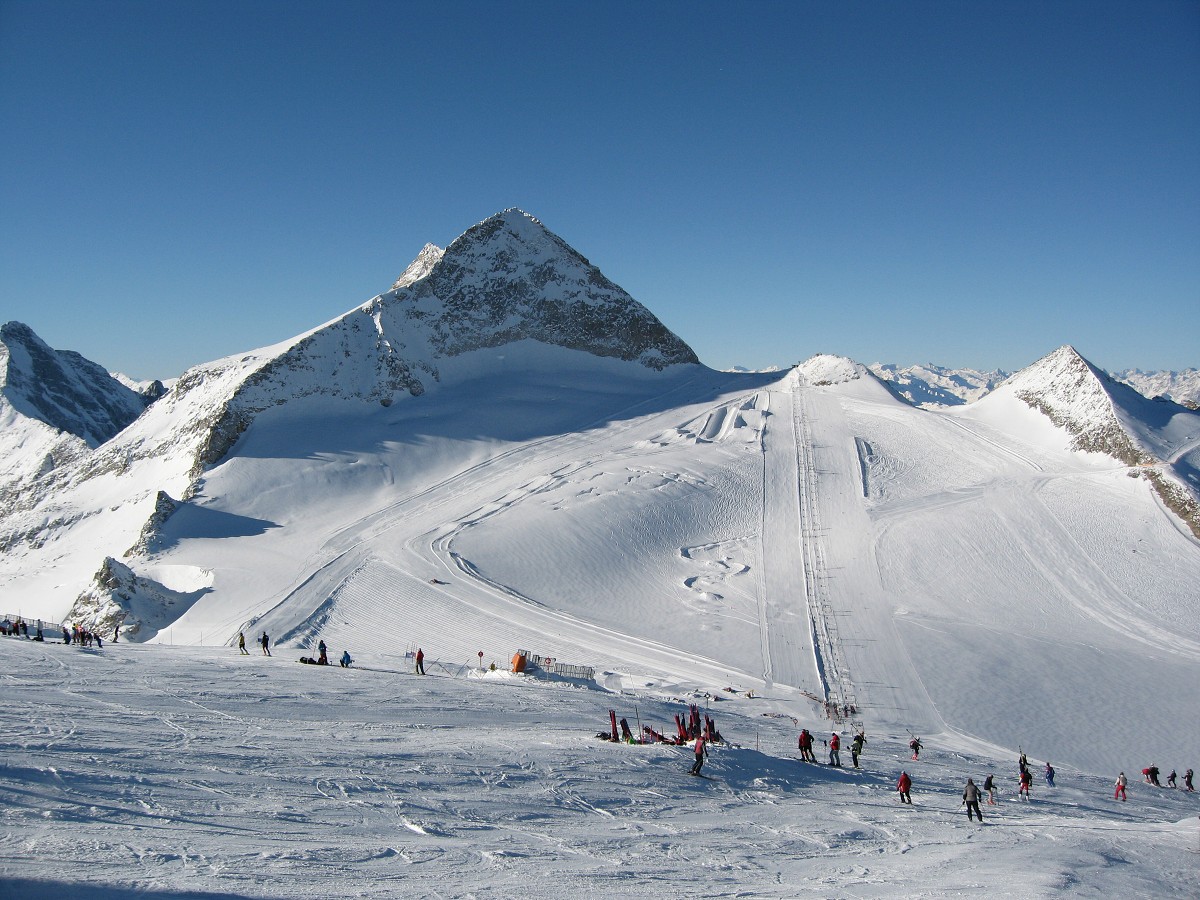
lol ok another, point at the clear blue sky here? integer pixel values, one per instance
(965, 183)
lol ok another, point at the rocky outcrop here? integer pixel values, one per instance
(63, 389)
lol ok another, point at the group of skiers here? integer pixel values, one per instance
(1150, 776)
(834, 744)
(20, 628)
(321, 659)
(972, 793)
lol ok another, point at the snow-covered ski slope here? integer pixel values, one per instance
(802, 535)
(195, 772)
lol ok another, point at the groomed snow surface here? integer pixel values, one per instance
(161, 772)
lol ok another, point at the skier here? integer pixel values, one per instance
(806, 745)
(990, 786)
(242, 644)
(971, 799)
(420, 662)
(1152, 775)
(266, 644)
(1120, 791)
(1049, 774)
(835, 744)
(1187, 780)
(1026, 784)
(1022, 763)
(1171, 779)
(701, 752)
(322, 659)
(346, 660)
(903, 784)
(856, 746)
(915, 746)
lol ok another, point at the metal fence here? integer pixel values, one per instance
(552, 666)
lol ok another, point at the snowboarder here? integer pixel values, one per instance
(989, 785)
(835, 744)
(915, 746)
(903, 785)
(971, 799)
(1120, 791)
(1026, 784)
(242, 643)
(856, 746)
(420, 662)
(266, 644)
(701, 753)
(1171, 779)
(1049, 774)
(346, 660)
(806, 746)
(322, 659)
(1187, 780)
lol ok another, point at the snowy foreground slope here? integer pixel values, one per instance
(157, 771)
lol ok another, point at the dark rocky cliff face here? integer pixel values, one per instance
(62, 388)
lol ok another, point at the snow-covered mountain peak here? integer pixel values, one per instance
(1074, 395)
(1103, 415)
(509, 279)
(824, 369)
(419, 267)
(63, 389)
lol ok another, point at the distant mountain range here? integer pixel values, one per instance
(933, 386)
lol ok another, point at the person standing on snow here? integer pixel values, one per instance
(915, 746)
(242, 644)
(266, 644)
(1152, 775)
(1026, 784)
(971, 799)
(1187, 780)
(421, 662)
(856, 746)
(1049, 774)
(1120, 791)
(990, 786)
(322, 659)
(806, 745)
(835, 744)
(701, 753)
(903, 785)
(1171, 779)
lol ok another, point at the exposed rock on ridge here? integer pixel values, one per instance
(63, 389)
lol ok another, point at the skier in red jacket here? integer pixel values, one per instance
(835, 744)
(903, 785)
(806, 744)
(701, 752)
